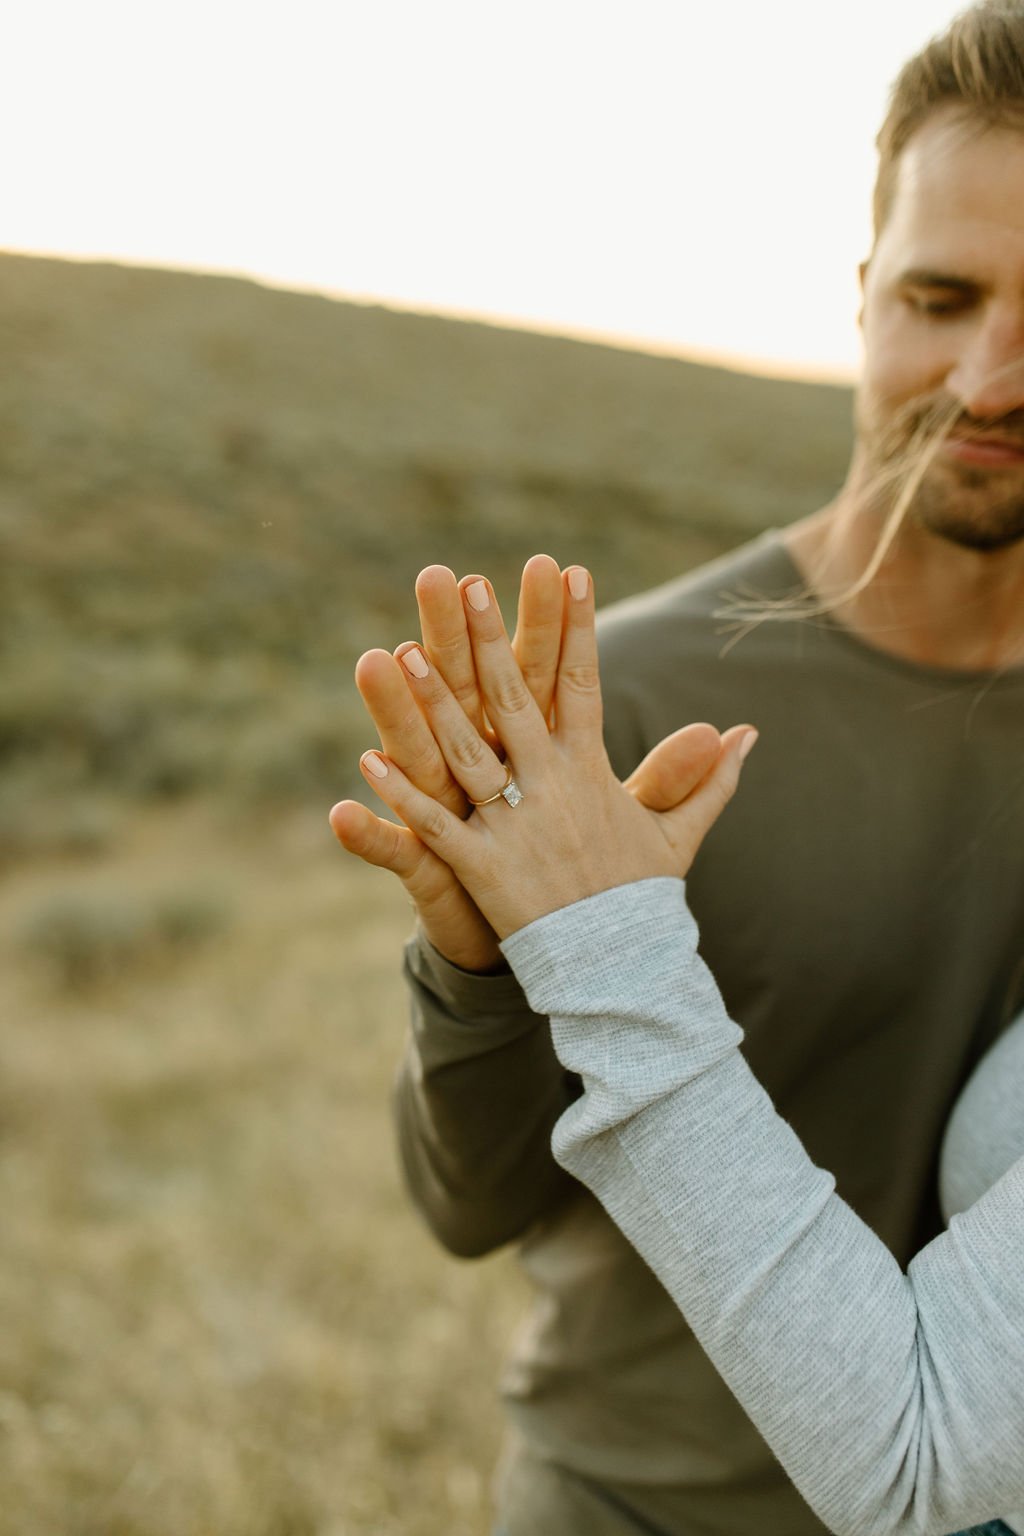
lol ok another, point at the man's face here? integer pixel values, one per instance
(943, 323)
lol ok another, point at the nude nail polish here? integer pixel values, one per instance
(579, 582)
(375, 764)
(415, 662)
(478, 595)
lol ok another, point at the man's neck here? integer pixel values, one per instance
(931, 601)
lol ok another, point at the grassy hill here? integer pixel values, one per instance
(214, 495)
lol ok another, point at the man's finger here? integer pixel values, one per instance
(450, 919)
(538, 638)
(578, 687)
(689, 823)
(673, 769)
(446, 638)
(375, 840)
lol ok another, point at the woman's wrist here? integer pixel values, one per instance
(591, 936)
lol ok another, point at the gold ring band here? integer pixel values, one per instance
(509, 792)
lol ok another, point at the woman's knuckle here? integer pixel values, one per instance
(436, 691)
(468, 752)
(434, 824)
(510, 696)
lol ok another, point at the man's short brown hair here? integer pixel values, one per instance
(976, 64)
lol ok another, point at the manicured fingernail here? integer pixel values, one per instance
(478, 595)
(375, 764)
(579, 582)
(747, 744)
(415, 662)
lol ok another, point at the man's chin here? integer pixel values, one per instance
(986, 533)
(971, 508)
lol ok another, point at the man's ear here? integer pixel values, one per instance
(862, 277)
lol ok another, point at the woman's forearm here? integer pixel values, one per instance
(895, 1402)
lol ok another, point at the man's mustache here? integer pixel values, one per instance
(939, 417)
(1007, 429)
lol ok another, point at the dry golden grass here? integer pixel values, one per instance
(220, 1315)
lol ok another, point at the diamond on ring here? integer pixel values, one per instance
(512, 794)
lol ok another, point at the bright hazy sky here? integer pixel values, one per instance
(691, 176)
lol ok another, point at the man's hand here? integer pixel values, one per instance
(448, 917)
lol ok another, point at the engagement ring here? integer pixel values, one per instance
(509, 792)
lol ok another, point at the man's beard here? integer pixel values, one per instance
(972, 506)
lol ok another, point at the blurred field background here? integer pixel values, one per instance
(219, 1314)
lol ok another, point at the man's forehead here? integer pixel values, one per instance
(960, 178)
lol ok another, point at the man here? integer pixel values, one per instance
(862, 912)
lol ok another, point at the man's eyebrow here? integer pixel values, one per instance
(928, 277)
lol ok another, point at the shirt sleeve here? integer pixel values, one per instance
(894, 1401)
(477, 1094)
(479, 1087)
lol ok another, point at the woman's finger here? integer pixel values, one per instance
(673, 769)
(578, 689)
(404, 734)
(446, 638)
(537, 641)
(471, 761)
(510, 706)
(443, 833)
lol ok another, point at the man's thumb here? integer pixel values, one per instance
(690, 822)
(672, 770)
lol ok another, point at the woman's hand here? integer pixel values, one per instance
(448, 916)
(577, 830)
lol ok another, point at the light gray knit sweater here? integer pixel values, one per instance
(894, 1401)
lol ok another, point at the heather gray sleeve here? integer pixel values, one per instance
(894, 1401)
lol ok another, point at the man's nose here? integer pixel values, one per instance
(988, 376)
